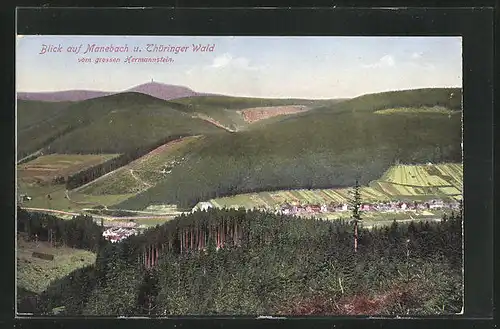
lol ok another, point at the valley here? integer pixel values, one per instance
(269, 160)
(194, 173)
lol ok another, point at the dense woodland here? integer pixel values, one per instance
(249, 262)
(343, 147)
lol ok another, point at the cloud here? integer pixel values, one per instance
(416, 55)
(222, 60)
(384, 61)
(227, 60)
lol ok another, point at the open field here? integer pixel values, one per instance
(35, 274)
(422, 175)
(47, 167)
(59, 201)
(401, 182)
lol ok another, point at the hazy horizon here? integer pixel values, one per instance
(229, 95)
(270, 67)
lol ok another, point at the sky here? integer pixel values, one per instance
(277, 67)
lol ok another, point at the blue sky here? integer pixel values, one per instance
(299, 67)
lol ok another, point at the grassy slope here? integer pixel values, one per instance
(330, 146)
(59, 201)
(35, 274)
(144, 171)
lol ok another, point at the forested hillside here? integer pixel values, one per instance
(323, 148)
(118, 122)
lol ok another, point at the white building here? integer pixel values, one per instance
(202, 206)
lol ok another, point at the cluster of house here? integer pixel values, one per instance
(387, 206)
(117, 234)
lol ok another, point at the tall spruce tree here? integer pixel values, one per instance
(355, 205)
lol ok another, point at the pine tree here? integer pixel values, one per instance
(355, 205)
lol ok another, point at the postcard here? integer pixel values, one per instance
(162, 176)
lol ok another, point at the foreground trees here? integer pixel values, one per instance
(249, 262)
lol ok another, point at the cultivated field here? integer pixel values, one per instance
(47, 167)
(35, 274)
(401, 182)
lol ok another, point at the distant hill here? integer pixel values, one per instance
(164, 91)
(155, 89)
(331, 146)
(118, 122)
(62, 96)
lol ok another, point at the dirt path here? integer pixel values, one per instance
(212, 121)
(147, 185)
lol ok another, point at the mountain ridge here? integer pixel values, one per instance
(156, 89)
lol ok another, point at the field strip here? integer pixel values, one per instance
(409, 185)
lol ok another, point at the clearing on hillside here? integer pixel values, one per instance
(46, 168)
(254, 114)
(36, 274)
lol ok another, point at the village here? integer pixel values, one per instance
(119, 231)
(386, 206)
